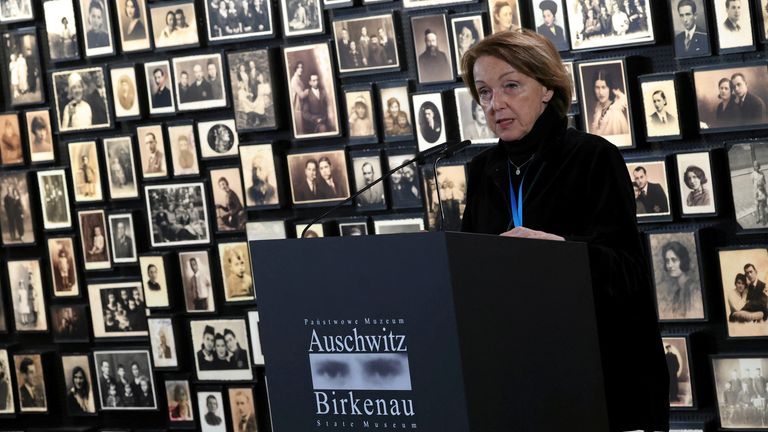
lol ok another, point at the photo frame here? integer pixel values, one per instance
(40, 135)
(69, 324)
(366, 167)
(719, 87)
(78, 383)
(549, 21)
(253, 327)
(154, 279)
(180, 226)
(660, 107)
(122, 238)
(204, 86)
(64, 267)
(404, 184)
(361, 123)
(30, 377)
(125, 90)
(649, 179)
(23, 66)
(197, 282)
(16, 218)
(396, 114)
(734, 26)
(250, 78)
(570, 69)
(430, 119)
(361, 52)
(452, 181)
(762, 13)
(353, 227)
(11, 151)
(162, 338)
(301, 18)
(260, 176)
(633, 26)
(210, 405)
(178, 395)
(681, 388)
(121, 167)
(183, 144)
(242, 406)
(7, 406)
(731, 372)
(228, 199)
(255, 22)
(133, 24)
(218, 138)
(81, 99)
(139, 377)
(235, 261)
(93, 239)
(61, 30)
(398, 226)
(85, 171)
(748, 185)
(54, 199)
(118, 310)
(95, 20)
(605, 101)
(697, 185)
(741, 271)
(209, 335)
(265, 230)
(473, 125)
(326, 184)
(316, 231)
(690, 28)
(467, 31)
(160, 93)
(180, 31)
(152, 151)
(16, 11)
(434, 60)
(505, 15)
(29, 306)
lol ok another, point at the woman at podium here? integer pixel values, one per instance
(546, 181)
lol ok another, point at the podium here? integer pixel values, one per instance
(443, 332)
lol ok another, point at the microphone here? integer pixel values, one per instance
(446, 149)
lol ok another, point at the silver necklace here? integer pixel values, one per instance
(518, 168)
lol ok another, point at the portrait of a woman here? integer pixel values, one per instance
(679, 295)
(77, 113)
(79, 400)
(505, 16)
(695, 178)
(610, 114)
(727, 112)
(133, 27)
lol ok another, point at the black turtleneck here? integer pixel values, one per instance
(548, 123)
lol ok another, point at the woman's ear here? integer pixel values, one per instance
(548, 93)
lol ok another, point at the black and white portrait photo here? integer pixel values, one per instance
(740, 385)
(360, 121)
(11, 151)
(259, 177)
(605, 101)
(731, 98)
(174, 24)
(404, 184)
(680, 377)
(125, 380)
(677, 275)
(6, 391)
(604, 24)
(82, 102)
(15, 209)
(318, 177)
(54, 199)
(232, 20)
(396, 112)
(39, 135)
(152, 151)
(196, 280)
(153, 278)
(505, 15)
(16, 10)
(312, 91)
(210, 405)
(353, 229)
(93, 239)
(235, 261)
(177, 214)
(649, 180)
(366, 167)
(86, 174)
(472, 123)
(122, 237)
(430, 125)
(78, 382)
(24, 73)
(199, 82)
(743, 273)
(734, 25)
(26, 289)
(227, 187)
(366, 44)
(179, 406)
(30, 381)
(467, 31)
(160, 90)
(694, 176)
(69, 323)
(95, 16)
(64, 270)
(121, 168)
(691, 29)
(125, 92)
(250, 79)
(452, 185)
(134, 29)
(749, 168)
(183, 144)
(549, 18)
(118, 310)
(163, 341)
(221, 349)
(433, 50)
(218, 138)
(660, 108)
(398, 226)
(61, 28)
(301, 17)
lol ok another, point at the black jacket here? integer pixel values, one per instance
(577, 187)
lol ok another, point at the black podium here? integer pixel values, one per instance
(443, 332)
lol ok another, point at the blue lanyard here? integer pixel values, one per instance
(516, 201)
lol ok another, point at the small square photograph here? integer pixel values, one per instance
(78, 381)
(15, 210)
(366, 168)
(433, 50)
(265, 230)
(450, 189)
(86, 175)
(253, 327)
(605, 102)
(151, 151)
(30, 377)
(603, 25)
(250, 79)
(677, 275)
(741, 272)
(163, 341)
(123, 238)
(430, 124)
(224, 353)
(697, 192)
(690, 28)
(242, 408)
(396, 112)
(353, 229)
(183, 144)
(362, 126)
(81, 98)
(179, 406)
(6, 391)
(235, 260)
(61, 30)
(154, 280)
(301, 17)
(312, 91)
(196, 281)
(93, 232)
(174, 24)
(259, 175)
(366, 44)
(24, 71)
(118, 310)
(316, 231)
(26, 286)
(133, 20)
(505, 15)
(680, 377)
(125, 380)
(124, 91)
(11, 152)
(61, 255)
(121, 168)
(748, 166)
(16, 10)
(177, 214)
(69, 323)
(549, 19)
(398, 226)
(159, 87)
(232, 22)
(736, 382)
(731, 98)
(199, 82)
(40, 135)
(228, 199)
(218, 138)
(660, 109)
(649, 179)
(467, 31)
(404, 188)
(734, 26)
(98, 29)
(210, 405)
(472, 123)
(54, 199)
(307, 187)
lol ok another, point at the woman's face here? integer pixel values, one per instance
(325, 170)
(504, 17)
(170, 20)
(135, 370)
(394, 108)
(76, 91)
(672, 264)
(480, 115)
(549, 18)
(602, 92)
(130, 8)
(693, 180)
(725, 90)
(361, 111)
(78, 380)
(221, 348)
(740, 286)
(182, 395)
(241, 68)
(465, 38)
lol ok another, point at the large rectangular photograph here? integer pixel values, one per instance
(603, 25)
(125, 380)
(199, 82)
(82, 102)
(259, 175)
(61, 29)
(118, 310)
(605, 101)
(674, 257)
(737, 399)
(250, 79)
(95, 18)
(746, 303)
(366, 44)
(134, 25)
(177, 214)
(748, 164)
(318, 177)
(730, 98)
(224, 353)
(229, 22)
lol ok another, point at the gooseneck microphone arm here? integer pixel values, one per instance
(441, 213)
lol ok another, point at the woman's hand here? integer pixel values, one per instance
(523, 232)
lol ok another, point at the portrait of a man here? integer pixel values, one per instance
(434, 63)
(243, 411)
(661, 121)
(368, 169)
(161, 96)
(734, 24)
(650, 197)
(31, 386)
(693, 39)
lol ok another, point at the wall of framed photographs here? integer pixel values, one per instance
(143, 142)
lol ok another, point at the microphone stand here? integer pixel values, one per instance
(439, 198)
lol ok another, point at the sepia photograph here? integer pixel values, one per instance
(734, 26)
(603, 25)
(157, 75)
(152, 151)
(61, 30)
(265, 230)
(697, 190)
(69, 323)
(473, 125)
(6, 391)
(183, 144)
(64, 269)
(228, 200)
(242, 408)
(16, 10)
(15, 210)
(93, 232)
(177, 214)
(95, 18)
(250, 80)
(674, 257)
(433, 50)
(253, 327)
(549, 20)
(404, 184)
(353, 228)
(179, 406)
(316, 231)
(39, 135)
(121, 168)
(24, 68)
(398, 226)
(366, 44)
(78, 381)
(199, 82)
(312, 91)
(748, 165)
(397, 117)
(54, 199)
(605, 101)
(224, 353)
(318, 177)
(218, 138)
(11, 152)
(730, 98)
(134, 28)
(361, 124)
(746, 303)
(122, 238)
(125, 91)
(259, 176)
(163, 340)
(210, 405)
(301, 17)
(660, 107)
(505, 15)
(690, 28)
(451, 190)
(366, 168)
(118, 310)
(196, 281)
(154, 280)
(26, 288)
(232, 21)
(649, 180)
(430, 122)
(81, 98)
(680, 376)
(467, 31)
(86, 174)
(30, 379)
(235, 260)
(125, 380)
(736, 382)
(174, 24)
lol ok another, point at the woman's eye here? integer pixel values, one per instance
(333, 369)
(511, 86)
(383, 367)
(484, 92)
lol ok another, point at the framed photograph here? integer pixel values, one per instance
(505, 15)
(472, 123)
(134, 29)
(250, 79)
(404, 190)
(174, 24)
(210, 405)
(649, 179)
(122, 238)
(93, 232)
(316, 231)
(199, 82)
(430, 124)
(23, 62)
(54, 199)
(697, 190)
(61, 30)
(125, 90)
(762, 13)
(40, 135)
(177, 214)
(396, 114)
(121, 168)
(253, 327)
(224, 353)
(433, 50)
(82, 102)
(674, 257)
(6, 402)
(741, 271)
(359, 51)
(78, 382)
(330, 186)
(151, 151)
(265, 230)
(26, 286)
(690, 28)
(301, 17)
(452, 185)
(3, 321)
(98, 29)
(228, 199)
(734, 26)
(605, 101)
(159, 87)
(254, 20)
(86, 174)
(549, 19)
(242, 408)
(571, 71)
(681, 394)
(312, 91)
(118, 310)
(731, 98)
(196, 281)
(154, 280)
(362, 125)
(15, 211)
(162, 337)
(183, 144)
(259, 176)
(69, 323)
(607, 25)
(235, 260)
(179, 406)
(30, 377)
(218, 138)
(467, 31)
(748, 167)
(353, 228)
(16, 10)
(64, 269)
(366, 167)
(660, 107)
(735, 378)
(121, 390)
(11, 152)
(398, 226)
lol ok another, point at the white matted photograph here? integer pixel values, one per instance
(196, 281)
(177, 214)
(159, 87)
(605, 101)
(40, 135)
(742, 273)
(649, 180)
(660, 107)
(64, 270)
(29, 309)
(163, 341)
(433, 50)
(235, 260)
(121, 168)
(259, 175)
(61, 28)
(430, 121)
(253, 326)
(265, 230)
(472, 123)
(54, 199)
(118, 310)
(125, 380)
(95, 17)
(16, 10)
(218, 138)
(86, 174)
(122, 238)
(154, 280)
(226, 23)
(603, 25)
(82, 102)
(125, 91)
(199, 82)
(734, 25)
(366, 44)
(152, 151)
(398, 226)
(183, 144)
(224, 353)
(697, 190)
(301, 17)
(210, 405)
(134, 29)
(360, 121)
(174, 24)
